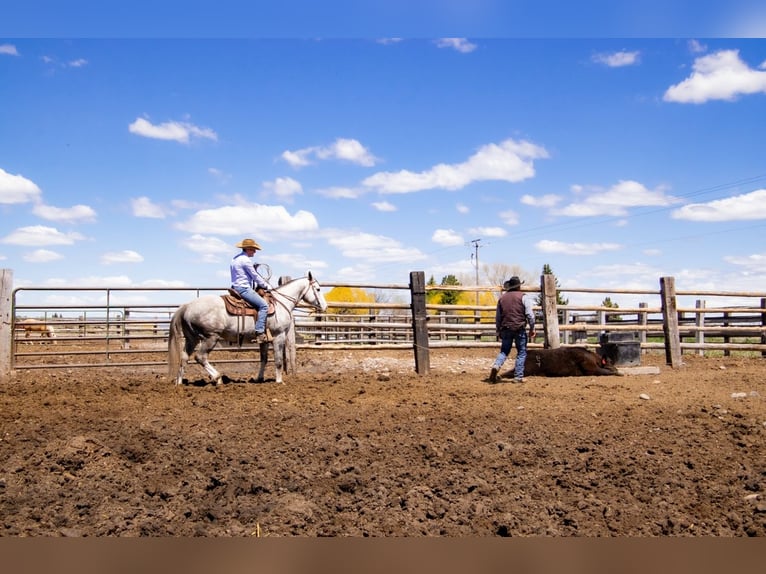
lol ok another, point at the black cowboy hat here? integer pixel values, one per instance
(513, 284)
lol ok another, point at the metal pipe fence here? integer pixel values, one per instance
(125, 326)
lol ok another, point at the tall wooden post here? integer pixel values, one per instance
(6, 324)
(670, 322)
(420, 321)
(726, 337)
(700, 322)
(550, 313)
(763, 324)
(643, 320)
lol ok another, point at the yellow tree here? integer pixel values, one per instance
(459, 297)
(348, 295)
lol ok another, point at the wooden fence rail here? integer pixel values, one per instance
(104, 330)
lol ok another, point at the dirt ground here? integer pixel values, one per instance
(357, 444)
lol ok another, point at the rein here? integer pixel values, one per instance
(294, 301)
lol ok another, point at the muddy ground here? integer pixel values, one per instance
(357, 444)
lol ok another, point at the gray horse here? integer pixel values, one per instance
(205, 321)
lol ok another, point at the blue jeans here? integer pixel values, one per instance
(258, 302)
(509, 337)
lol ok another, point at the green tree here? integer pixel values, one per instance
(450, 297)
(445, 297)
(608, 303)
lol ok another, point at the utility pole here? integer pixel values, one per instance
(475, 262)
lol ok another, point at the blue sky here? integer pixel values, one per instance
(142, 161)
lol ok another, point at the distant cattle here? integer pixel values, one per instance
(568, 362)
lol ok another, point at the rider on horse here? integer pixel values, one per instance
(243, 276)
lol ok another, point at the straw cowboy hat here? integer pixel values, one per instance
(248, 243)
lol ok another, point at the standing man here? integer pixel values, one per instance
(243, 275)
(514, 312)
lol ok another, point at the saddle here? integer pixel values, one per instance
(236, 305)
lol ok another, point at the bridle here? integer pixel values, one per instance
(313, 286)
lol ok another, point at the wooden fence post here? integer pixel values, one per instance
(419, 321)
(6, 324)
(700, 322)
(550, 313)
(125, 329)
(763, 324)
(670, 322)
(642, 321)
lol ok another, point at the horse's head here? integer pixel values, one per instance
(313, 295)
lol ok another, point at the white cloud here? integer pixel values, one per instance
(284, 187)
(460, 44)
(374, 248)
(462, 266)
(17, 188)
(340, 192)
(343, 149)
(508, 161)
(297, 261)
(616, 199)
(79, 63)
(447, 237)
(695, 46)
(8, 49)
(509, 217)
(718, 76)
(242, 219)
(186, 204)
(42, 256)
(298, 158)
(144, 207)
(617, 59)
(384, 206)
(39, 235)
(755, 263)
(74, 214)
(548, 246)
(548, 200)
(181, 132)
(356, 273)
(489, 231)
(210, 249)
(462, 208)
(747, 206)
(126, 256)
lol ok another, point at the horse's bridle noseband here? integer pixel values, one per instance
(312, 285)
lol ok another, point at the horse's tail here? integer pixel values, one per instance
(174, 342)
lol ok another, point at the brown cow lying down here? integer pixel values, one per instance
(567, 362)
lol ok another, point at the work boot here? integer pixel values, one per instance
(261, 338)
(493, 375)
